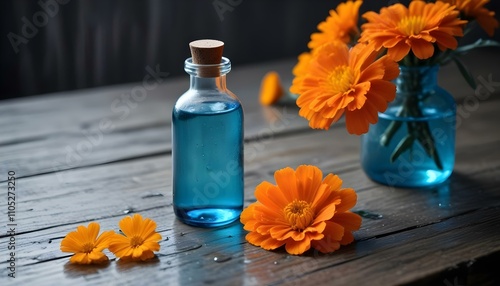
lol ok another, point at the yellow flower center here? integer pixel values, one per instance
(299, 214)
(411, 25)
(88, 247)
(341, 79)
(136, 241)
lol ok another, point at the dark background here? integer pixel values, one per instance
(103, 42)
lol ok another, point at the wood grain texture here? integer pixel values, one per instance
(429, 236)
(47, 213)
(87, 127)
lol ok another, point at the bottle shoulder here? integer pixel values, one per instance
(207, 102)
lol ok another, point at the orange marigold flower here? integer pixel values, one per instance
(341, 81)
(86, 245)
(302, 65)
(475, 10)
(301, 211)
(300, 70)
(342, 24)
(418, 28)
(270, 89)
(139, 241)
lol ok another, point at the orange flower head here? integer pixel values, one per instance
(139, 241)
(300, 211)
(86, 245)
(300, 70)
(475, 10)
(341, 80)
(341, 24)
(417, 27)
(271, 89)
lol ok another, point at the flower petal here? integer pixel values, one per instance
(309, 180)
(271, 196)
(348, 198)
(286, 181)
(298, 247)
(350, 221)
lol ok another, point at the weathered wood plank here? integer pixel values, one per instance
(188, 257)
(49, 208)
(420, 235)
(95, 126)
(396, 259)
(87, 127)
(107, 189)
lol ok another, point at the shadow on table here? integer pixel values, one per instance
(124, 266)
(78, 270)
(463, 191)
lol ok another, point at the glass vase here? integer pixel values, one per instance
(413, 142)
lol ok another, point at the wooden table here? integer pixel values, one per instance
(94, 155)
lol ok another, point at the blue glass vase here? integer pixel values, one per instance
(413, 143)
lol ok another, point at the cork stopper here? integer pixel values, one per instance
(207, 52)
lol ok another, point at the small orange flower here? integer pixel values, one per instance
(86, 245)
(418, 28)
(342, 24)
(270, 89)
(339, 80)
(139, 241)
(475, 10)
(301, 211)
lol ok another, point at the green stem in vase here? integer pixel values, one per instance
(403, 145)
(417, 130)
(393, 127)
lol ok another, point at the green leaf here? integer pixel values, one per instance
(481, 43)
(427, 141)
(393, 127)
(403, 145)
(465, 73)
(449, 55)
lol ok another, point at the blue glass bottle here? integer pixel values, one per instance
(413, 143)
(207, 149)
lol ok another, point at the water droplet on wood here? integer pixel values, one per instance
(152, 195)
(444, 205)
(369, 215)
(188, 247)
(222, 258)
(128, 210)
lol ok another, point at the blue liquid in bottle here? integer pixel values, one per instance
(207, 153)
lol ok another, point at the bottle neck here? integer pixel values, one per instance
(417, 79)
(208, 83)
